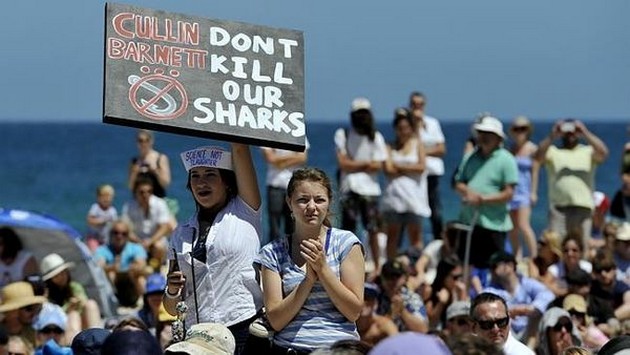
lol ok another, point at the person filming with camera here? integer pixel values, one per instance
(571, 175)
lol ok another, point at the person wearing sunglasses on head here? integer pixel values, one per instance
(491, 320)
(556, 332)
(526, 297)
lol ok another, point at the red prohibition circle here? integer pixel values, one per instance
(171, 83)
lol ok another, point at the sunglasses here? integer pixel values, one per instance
(123, 233)
(605, 269)
(51, 329)
(567, 324)
(31, 308)
(489, 324)
(520, 129)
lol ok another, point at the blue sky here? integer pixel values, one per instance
(544, 59)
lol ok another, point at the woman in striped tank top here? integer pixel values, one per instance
(313, 278)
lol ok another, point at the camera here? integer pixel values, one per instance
(567, 126)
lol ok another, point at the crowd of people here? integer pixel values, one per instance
(485, 284)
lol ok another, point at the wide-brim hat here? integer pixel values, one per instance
(17, 295)
(623, 232)
(490, 124)
(52, 265)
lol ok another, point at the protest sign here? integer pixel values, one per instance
(210, 78)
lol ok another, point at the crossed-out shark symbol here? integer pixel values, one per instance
(156, 96)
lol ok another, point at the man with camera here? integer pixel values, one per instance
(571, 175)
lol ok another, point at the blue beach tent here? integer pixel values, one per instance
(43, 234)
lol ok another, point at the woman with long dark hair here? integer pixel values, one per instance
(211, 256)
(447, 288)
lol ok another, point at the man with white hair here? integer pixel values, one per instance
(485, 180)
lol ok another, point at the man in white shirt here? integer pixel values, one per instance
(431, 135)
(151, 220)
(492, 321)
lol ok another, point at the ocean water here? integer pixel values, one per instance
(54, 168)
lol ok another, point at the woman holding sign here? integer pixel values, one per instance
(312, 278)
(211, 256)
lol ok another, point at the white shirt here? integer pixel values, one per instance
(360, 148)
(280, 177)
(226, 286)
(514, 347)
(431, 135)
(145, 226)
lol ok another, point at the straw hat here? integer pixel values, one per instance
(552, 240)
(17, 295)
(52, 265)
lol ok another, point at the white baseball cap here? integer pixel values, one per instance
(361, 103)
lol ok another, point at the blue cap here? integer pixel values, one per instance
(156, 283)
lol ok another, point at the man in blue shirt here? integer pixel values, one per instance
(527, 298)
(124, 263)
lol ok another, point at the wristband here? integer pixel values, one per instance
(172, 296)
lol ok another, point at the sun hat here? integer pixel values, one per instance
(211, 157)
(17, 295)
(521, 121)
(206, 338)
(52, 265)
(623, 232)
(89, 341)
(490, 124)
(156, 283)
(552, 240)
(457, 309)
(51, 314)
(361, 103)
(574, 302)
(410, 343)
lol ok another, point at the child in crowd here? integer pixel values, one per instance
(100, 217)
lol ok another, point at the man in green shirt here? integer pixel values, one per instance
(485, 180)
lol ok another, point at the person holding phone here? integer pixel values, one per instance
(211, 257)
(571, 175)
